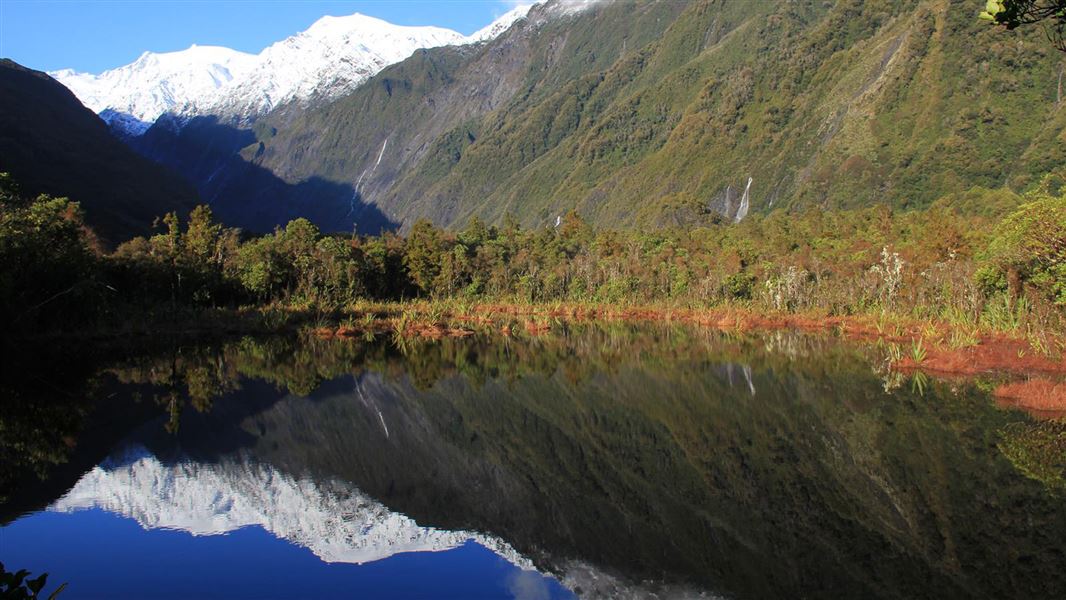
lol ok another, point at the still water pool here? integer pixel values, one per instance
(597, 462)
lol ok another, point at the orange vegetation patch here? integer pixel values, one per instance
(324, 332)
(535, 328)
(992, 353)
(1041, 397)
(426, 330)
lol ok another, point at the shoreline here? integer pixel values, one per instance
(939, 349)
(983, 353)
(942, 349)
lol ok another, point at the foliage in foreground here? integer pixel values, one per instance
(16, 586)
(1015, 13)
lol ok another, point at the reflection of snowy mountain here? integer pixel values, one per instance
(337, 522)
(591, 583)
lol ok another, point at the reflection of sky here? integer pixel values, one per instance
(102, 555)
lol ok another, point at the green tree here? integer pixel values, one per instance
(202, 236)
(475, 234)
(49, 263)
(261, 267)
(424, 255)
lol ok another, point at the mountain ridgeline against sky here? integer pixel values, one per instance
(51, 144)
(329, 59)
(639, 113)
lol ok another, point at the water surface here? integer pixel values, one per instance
(595, 461)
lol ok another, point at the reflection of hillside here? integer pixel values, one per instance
(670, 467)
(763, 467)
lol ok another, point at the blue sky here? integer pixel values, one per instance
(95, 35)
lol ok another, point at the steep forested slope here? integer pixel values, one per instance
(52, 144)
(658, 113)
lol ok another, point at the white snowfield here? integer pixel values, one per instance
(331, 58)
(158, 83)
(334, 520)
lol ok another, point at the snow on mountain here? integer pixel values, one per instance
(500, 25)
(570, 7)
(329, 59)
(332, 57)
(157, 83)
(334, 520)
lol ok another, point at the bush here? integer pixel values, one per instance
(1028, 248)
(740, 286)
(49, 267)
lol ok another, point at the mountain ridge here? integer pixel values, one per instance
(51, 144)
(330, 58)
(648, 114)
(399, 115)
(658, 114)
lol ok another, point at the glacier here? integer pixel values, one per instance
(135, 95)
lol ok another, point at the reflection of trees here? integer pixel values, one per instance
(36, 433)
(644, 450)
(300, 365)
(42, 409)
(1038, 450)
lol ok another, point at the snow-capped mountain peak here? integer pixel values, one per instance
(329, 59)
(156, 83)
(332, 57)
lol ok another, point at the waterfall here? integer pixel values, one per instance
(357, 192)
(745, 203)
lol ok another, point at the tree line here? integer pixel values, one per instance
(953, 260)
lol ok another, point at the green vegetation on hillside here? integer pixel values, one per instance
(655, 114)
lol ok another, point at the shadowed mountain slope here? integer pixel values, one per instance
(52, 144)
